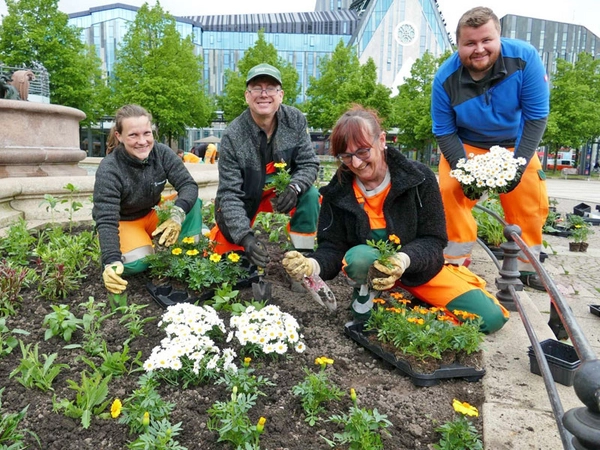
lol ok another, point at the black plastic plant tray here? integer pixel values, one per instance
(165, 296)
(354, 330)
(562, 360)
(595, 309)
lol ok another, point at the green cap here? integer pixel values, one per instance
(262, 70)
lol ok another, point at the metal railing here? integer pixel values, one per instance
(579, 428)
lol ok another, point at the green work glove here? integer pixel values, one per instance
(171, 227)
(399, 262)
(112, 277)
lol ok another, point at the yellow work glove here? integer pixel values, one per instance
(399, 262)
(170, 228)
(297, 265)
(112, 277)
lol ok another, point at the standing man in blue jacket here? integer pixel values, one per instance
(266, 133)
(492, 91)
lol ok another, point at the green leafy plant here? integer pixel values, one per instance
(208, 213)
(11, 434)
(62, 322)
(424, 332)
(145, 399)
(316, 390)
(12, 281)
(580, 228)
(116, 363)
(90, 398)
(163, 210)
(230, 419)
(8, 342)
(244, 379)
(224, 300)
(489, 229)
(133, 321)
(72, 205)
(387, 249)
(117, 301)
(459, 432)
(16, 246)
(273, 224)
(92, 327)
(51, 203)
(280, 179)
(31, 372)
(158, 436)
(361, 427)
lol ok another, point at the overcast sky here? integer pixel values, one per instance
(580, 12)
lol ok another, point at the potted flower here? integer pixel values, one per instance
(487, 173)
(580, 230)
(387, 249)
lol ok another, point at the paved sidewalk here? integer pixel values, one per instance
(517, 413)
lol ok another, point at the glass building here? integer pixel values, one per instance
(393, 32)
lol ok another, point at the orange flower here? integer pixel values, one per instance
(379, 300)
(417, 320)
(393, 238)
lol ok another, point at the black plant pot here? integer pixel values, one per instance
(562, 360)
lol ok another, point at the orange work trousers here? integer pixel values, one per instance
(526, 206)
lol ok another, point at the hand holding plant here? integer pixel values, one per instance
(389, 266)
(280, 179)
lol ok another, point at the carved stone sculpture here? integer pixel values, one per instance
(8, 91)
(20, 80)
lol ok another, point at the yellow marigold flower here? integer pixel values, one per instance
(420, 310)
(577, 226)
(247, 361)
(115, 408)
(353, 394)
(397, 295)
(188, 240)
(393, 238)
(464, 408)
(379, 300)
(444, 318)
(215, 257)
(176, 251)
(323, 361)
(417, 320)
(146, 419)
(193, 252)
(260, 426)
(404, 301)
(280, 165)
(233, 257)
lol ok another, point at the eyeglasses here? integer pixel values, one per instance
(361, 153)
(271, 91)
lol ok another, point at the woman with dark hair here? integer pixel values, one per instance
(376, 193)
(129, 183)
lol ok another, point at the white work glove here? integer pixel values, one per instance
(298, 265)
(400, 262)
(112, 277)
(171, 227)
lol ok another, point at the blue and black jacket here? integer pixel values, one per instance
(508, 108)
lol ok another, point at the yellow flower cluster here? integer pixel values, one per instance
(323, 361)
(464, 408)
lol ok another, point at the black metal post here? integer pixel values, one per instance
(509, 274)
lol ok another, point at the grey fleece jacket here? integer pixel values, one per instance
(242, 166)
(127, 188)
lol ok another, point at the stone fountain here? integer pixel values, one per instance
(39, 140)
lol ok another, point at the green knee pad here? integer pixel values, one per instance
(135, 267)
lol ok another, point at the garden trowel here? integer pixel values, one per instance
(262, 289)
(319, 291)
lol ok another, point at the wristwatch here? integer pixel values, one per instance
(296, 188)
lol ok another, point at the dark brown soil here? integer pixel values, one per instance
(413, 411)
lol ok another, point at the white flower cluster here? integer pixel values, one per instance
(269, 328)
(491, 170)
(188, 327)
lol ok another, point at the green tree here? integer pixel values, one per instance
(233, 101)
(412, 105)
(157, 69)
(344, 81)
(36, 31)
(574, 114)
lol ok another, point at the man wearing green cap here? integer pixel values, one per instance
(268, 132)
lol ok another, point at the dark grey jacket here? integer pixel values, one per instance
(413, 211)
(127, 188)
(242, 166)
